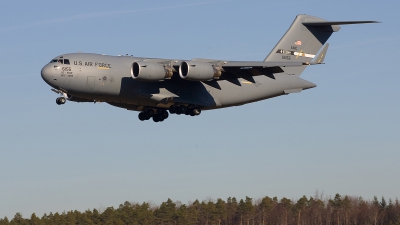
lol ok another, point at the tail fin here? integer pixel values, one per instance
(303, 40)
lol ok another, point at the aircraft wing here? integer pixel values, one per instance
(232, 70)
(239, 68)
(260, 64)
(262, 67)
(249, 69)
(204, 70)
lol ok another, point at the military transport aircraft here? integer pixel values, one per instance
(155, 87)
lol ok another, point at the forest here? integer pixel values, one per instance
(339, 210)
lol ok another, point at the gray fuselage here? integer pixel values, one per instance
(95, 77)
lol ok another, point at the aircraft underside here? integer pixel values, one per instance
(160, 87)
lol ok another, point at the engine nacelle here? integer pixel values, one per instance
(76, 99)
(198, 71)
(150, 71)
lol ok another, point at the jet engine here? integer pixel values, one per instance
(77, 99)
(150, 71)
(199, 71)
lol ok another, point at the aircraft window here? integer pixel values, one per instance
(60, 61)
(66, 61)
(53, 61)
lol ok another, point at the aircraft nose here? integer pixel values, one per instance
(46, 74)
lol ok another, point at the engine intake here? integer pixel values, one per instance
(150, 71)
(199, 71)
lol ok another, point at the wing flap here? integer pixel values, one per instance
(242, 69)
(244, 64)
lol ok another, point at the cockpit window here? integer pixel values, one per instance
(62, 61)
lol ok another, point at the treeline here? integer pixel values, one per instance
(340, 210)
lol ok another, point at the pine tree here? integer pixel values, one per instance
(166, 214)
(4, 221)
(220, 210)
(286, 205)
(336, 204)
(194, 212)
(18, 220)
(231, 210)
(300, 205)
(95, 217)
(144, 214)
(266, 206)
(35, 220)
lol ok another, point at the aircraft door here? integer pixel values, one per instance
(90, 83)
(57, 73)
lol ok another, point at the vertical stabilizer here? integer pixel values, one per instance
(301, 42)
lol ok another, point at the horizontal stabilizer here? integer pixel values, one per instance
(330, 23)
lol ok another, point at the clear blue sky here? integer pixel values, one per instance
(341, 137)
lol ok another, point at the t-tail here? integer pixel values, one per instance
(303, 40)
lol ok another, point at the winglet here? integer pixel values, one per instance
(319, 59)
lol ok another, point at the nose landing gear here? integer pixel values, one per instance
(60, 100)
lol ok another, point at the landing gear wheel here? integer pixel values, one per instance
(156, 118)
(158, 115)
(196, 111)
(147, 116)
(164, 114)
(177, 110)
(150, 112)
(183, 109)
(60, 100)
(142, 116)
(172, 109)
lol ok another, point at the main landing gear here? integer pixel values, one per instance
(186, 110)
(160, 115)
